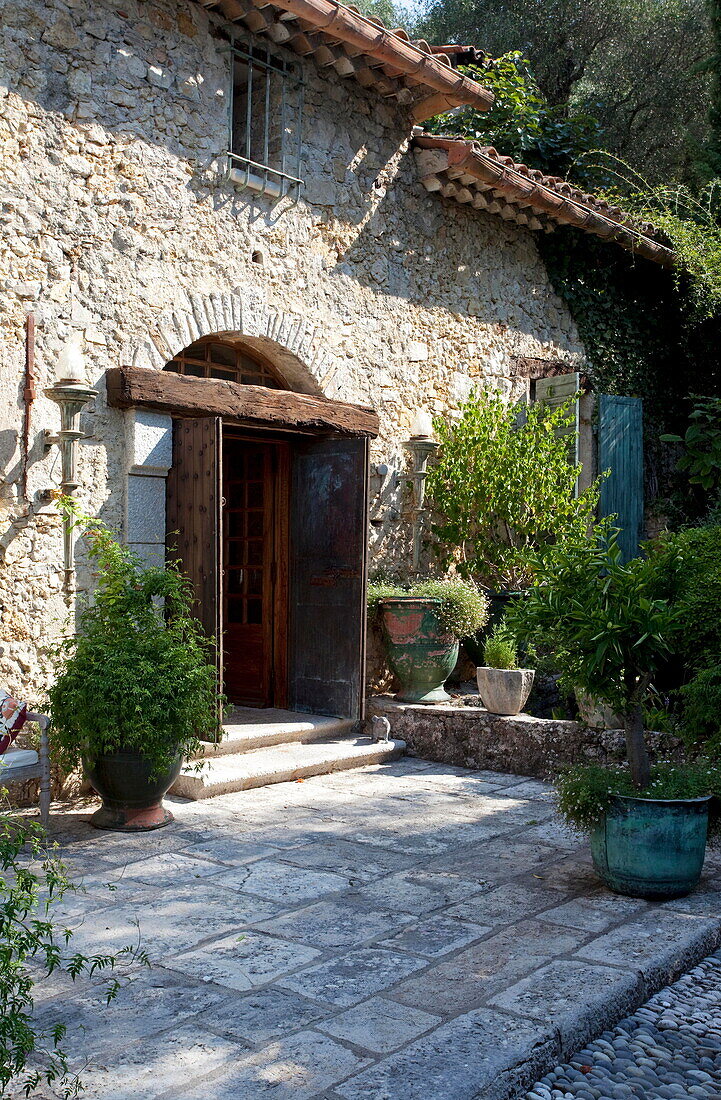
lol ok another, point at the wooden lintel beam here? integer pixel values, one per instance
(184, 396)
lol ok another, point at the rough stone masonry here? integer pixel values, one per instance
(120, 226)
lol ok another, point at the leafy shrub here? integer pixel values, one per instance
(702, 443)
(584, 791)
(503, 491)
(463, 608)
(32, 880)
(698, 592)
(138, 675)
(701, 715)
(500, 650)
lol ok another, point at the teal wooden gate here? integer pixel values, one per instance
(620, 450)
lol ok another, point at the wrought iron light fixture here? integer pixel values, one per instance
(421, 446)
(71, 393)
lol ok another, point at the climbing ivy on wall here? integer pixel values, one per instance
(642, 336)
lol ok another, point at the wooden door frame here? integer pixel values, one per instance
(276, 640)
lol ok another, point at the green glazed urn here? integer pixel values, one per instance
(648, 848)
(421, 652)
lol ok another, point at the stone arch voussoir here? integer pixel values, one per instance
(287, 337)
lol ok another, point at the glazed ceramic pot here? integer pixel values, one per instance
(649, 848)
(420, 651)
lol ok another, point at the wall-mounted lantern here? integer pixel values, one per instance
(421, 446)
(71, 393)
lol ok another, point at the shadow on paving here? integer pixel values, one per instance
(398, 932)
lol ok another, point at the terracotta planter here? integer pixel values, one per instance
(504, 690)
(651, 848)
(132, 795)
(420, 652)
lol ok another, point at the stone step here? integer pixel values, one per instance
(247, 729)
(279, 763)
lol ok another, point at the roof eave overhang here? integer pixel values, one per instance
(460, 167)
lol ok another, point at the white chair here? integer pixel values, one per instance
(17, 765)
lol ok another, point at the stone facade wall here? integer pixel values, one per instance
(119, 226)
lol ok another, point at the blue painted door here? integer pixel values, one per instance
(620, 450)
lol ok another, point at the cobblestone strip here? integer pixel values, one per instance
(670, 1049)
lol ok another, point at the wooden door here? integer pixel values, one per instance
(329, 534)
(620, 450)
(254, 570)
(193, 515)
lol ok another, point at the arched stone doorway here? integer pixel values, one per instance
(267, 510)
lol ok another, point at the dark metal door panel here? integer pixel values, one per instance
(329, 506)
(193, 514)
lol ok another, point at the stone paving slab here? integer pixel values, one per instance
(404, 931)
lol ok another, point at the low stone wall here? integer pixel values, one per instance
(470, 737)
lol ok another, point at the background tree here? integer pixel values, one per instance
(637, 66)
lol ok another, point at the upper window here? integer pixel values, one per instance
(210, 359)
(265, 121)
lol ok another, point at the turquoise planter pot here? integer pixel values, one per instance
(651, 849)
(420, 652)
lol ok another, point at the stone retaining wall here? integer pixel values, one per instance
(470, 737)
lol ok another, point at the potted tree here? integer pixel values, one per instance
(421, 627)
(135, 688)
(503, 686)
(610, 625)
(503, 493)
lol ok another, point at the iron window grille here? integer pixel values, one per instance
(265, 121)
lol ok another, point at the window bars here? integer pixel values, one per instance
(265, 116)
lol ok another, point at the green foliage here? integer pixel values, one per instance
(584, 791)
(521, 123)
(701, 714)
(610, 624)
(32, 881)
(138, 674)
(695, 563)
(503, 490)
(643, 337)
(630, 64)
(463, 607)
(702, 444)
(500, 650)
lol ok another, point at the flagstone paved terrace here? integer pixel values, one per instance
(403, 931)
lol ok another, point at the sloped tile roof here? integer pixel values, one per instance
(360, 46)
(478, 175)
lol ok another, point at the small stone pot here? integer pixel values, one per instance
(596, 715)
(651, 848)
(421, 652)
(132, 794)
(504, 690)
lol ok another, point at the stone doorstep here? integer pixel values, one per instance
(281, 763)
(247, 729)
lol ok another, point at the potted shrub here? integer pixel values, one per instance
(135, 687)
(611, 625)
(421, 627)
(502, 685)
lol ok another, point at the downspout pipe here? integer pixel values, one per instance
(28, 398)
